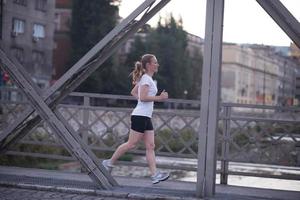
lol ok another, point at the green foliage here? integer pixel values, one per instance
(126, 157)
(137, 49)
(30, 162)
(167, 138)
(241, 139)
(26, 161)
(91, 21)
(179, 71)
(257, 128)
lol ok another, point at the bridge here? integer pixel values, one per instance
(211, 135)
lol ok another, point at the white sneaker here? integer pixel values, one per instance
(160, 176)
(108, 166)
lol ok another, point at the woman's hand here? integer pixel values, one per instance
(163, 95)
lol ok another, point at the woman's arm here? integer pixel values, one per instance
(134, 91)
(144, 95)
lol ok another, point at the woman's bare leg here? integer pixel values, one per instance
(150, 153)
(133, 139)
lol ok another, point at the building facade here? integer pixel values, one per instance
(62, 38)
(256, 74)
(295, 54)
(27, 28)
(194, 45)
(251, 74)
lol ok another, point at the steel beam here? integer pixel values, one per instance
(87, 150)
(62, 83)
(98, 174)
(45, 103)
(281, 15)
(69, 81)
(210, 97)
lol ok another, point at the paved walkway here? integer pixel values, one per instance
(21, 183)
(9, 193)
(12, 193)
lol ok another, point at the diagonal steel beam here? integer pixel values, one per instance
(87, 163)
(87, 150)
(63, 81)
(281, 15)
(72, 79)
(96, 172)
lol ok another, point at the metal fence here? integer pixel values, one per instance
(266, 135)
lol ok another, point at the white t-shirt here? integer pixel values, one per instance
(145, 108)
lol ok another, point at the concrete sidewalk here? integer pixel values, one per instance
(66, 183)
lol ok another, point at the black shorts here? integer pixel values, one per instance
(141, 123)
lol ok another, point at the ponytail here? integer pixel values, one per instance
(140, 68)
(137, 73)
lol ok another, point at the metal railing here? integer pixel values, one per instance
(246, 134)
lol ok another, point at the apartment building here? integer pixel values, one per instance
(295, 54)
(62, 38)
(195, 44)
(27, 28)
(256, 74)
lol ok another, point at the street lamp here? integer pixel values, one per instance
(185, 92)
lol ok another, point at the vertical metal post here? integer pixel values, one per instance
(83, 130)
(225, 146)
(264, 83)
(210, 98)
(1, 18)
(86, 103)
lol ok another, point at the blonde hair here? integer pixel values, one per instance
(140, 68)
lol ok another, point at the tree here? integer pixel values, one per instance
(138, 47)
(180, 69)
(91, 21)
(180, 72)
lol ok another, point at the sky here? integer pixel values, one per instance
(244, 20)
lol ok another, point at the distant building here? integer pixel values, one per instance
(297, 92)
(27, 29)
(62, 39)
(295, 53)
(256, 74)
(126, 47)
(195, 44)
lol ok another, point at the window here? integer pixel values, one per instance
(228, 79)
(18, 53)
(41, 5)
(38, 31)
(18, 27)
(38, 58)
(21, 2)
(243, 92)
